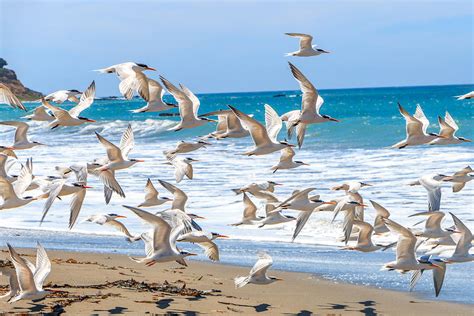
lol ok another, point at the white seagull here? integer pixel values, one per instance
(406, 260)
(469, 95)
(8, 97)
(111, 220)
(286, 160)
(59, 188)
(432, 225)
(71, 117)
(21, 139)
(182, 167)
(12, 194)
(249, 216)
(310, 106)
(416, 127)
(364, 239)
(258, 274)
(264, 137)
(448, 128)
(460, 178)
(155, 102)
(39, 114)
(273, 216)
(205, 241)
(432, 185)
(183, 147)
(463, 245)
(163, 239)
(118, 156)
(152, 196)
(254, 188)
(62, 96)
(30, 277)
(179, 197)
(306, 48)
(131, 78)
(188, 105)
(228, 125)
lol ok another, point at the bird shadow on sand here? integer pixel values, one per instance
(369, 308)
(258, 308)
(114, 311)
(164, 303)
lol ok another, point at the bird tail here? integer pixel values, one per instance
(289, 54)
(103, 70)
(241, 281)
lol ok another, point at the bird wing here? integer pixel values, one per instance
(87, 98)
(305, 40)
(458, 186)
(7, 96)
(463, 172)
(273, 122)
(161, 229)
(406, 241)
(179, 197)
(80, 172)
(156, 90)
(76, 205)
(54, 190)
(24, 179)
(194, 99)
(261, 266)
(257, 130)
(150, 191)
(434, 192)
(23, 272)
(6, 189)
(21, 129)
(119, 226)
(300, 222)
(137, 82)
(365, 232)
(113, 152)
(250, 210)
(108, 179)
(380, 210)
(43, 266)
(464, 243)
(287, 154)
(127, 142)
(59, 114)
(186, 109)
(210, 250)
(419, 115)
(445, 129)
(310, 94)
(300, 132)
(413, 125)
(180, 167)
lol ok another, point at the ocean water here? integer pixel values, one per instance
(357, 148)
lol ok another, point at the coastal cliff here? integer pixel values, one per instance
(8, 77)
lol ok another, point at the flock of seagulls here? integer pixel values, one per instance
(175, 224)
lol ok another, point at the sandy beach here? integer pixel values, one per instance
(101, 284)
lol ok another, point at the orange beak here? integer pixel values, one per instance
(149, 68)
(330, 202)
(87, 187)
(222, 236)
(139, 160)
(89, 120)
(121, 216)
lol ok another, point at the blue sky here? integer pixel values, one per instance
(226, 46)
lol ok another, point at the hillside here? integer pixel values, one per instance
(9, 78)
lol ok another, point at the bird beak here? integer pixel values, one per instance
(364, 205)
(277, 183)
(222, 236)
(305, 164)
(87, 187)
(367, 185)
(278, 279)
(9, 148)
(192, 254)
(200, 217)
(195, 160)
(139, 160)
(440, 136)
(334, 120)
(330, 203)
(150, 68)
(91, 121)
(121, 216)
(290, 145)
(467, 140)
(437, 266)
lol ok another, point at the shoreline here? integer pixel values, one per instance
(102, 284)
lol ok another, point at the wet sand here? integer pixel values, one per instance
(102, 284)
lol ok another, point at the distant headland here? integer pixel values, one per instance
(9, 78)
